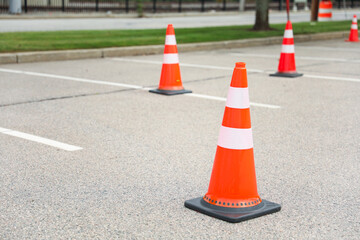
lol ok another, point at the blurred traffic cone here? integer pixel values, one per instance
(170, 79)
(287, 66)
(232, 195)
(353, 37)
(325, 8)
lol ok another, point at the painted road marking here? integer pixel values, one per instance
(70, 78)
(121, 85)
(333, 78)
(331, 48)
(224, 100)
(182, 64)
(38, 139)
(297, 57)
(249, 70)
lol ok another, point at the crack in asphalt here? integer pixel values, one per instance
(65, 97)
(103, 93)
(207, 79)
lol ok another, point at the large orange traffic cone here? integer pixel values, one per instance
(287, 66)
(232, 195)
(353, 37)
(170, 79)
(325, 8)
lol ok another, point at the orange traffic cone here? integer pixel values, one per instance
(232, 195)
(170, 79)
(353, 37)
(325, 13)
(287, 66)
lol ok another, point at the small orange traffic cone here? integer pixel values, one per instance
(287, 66)
(353, 37)
(325, 8)
(232, 195)
(170, 79)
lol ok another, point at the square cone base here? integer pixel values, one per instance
(352, 40)
(232, 215)
(284, 74)
(170, 92)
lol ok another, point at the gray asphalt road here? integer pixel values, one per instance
(144, 154)
(15, 25)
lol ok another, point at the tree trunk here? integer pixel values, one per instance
(314, 10)
(262, 15)
(139, 8)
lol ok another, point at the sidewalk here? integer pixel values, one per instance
(57, 22)
(52, 15)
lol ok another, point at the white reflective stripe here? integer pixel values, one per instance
(288, 34)
(325, 10)
(238, 98)
(171, 58)
(170, 40)
(235, 138)
(287, 48)
(354, 26)
(324, 19)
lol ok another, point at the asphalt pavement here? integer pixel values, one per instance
(156, 21)
(140, 155)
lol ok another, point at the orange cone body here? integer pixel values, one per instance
(233, 180)
(325, 8)
(354, 37)
(170, 79)
(232, 194)
(287, 66)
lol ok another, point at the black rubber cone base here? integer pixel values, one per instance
(290, 75)
(232, 215)
(170, 92)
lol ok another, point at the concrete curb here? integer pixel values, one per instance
(58, 55)
(45, 56)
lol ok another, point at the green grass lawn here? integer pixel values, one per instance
(61, 40)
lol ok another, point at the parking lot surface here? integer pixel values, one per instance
(87, 152)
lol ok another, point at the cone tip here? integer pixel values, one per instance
(288, 25)
(170, 30)
(240, 65)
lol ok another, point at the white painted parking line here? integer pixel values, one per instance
(183, 64)
(115, 84)
(206, 97)
(297, 57)
(70, 78)
(330, 48)
(205, 66)
(224, 99)
(333, 78)
(228, 68)
(38, 139)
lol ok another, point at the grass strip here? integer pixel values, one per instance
(65, 40)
